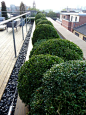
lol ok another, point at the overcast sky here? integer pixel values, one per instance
(55, 5)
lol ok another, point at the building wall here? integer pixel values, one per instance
(65, 23)
(67, 17)
(80, 35)
(68, 25)
(60, 17)
(82, 20)
(74, 17)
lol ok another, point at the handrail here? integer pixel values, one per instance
(12, 19)
(3, 22)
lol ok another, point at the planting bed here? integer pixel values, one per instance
(9, 98)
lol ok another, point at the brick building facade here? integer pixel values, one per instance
(72, 20)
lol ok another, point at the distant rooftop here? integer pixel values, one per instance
(74, 13)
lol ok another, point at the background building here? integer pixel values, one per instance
(71, 20)
(80, 32)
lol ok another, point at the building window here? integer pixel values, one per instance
(76, 34)
(71, 18)
(76, 19)
(84, 38)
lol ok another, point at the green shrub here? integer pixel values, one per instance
(60, 47)
(39, 42)
(38, 20)
(63, 91)
(31, 73)
(44, 31)
(43, 18)
(37, 103)
(44, 22)
(39, 12)
(39, 15)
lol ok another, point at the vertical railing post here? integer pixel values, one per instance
(22, 28)
(14, 38)
(30, 17)
(26, 22)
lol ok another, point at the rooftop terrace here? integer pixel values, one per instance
(7, 57)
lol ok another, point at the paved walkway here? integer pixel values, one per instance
(69, 36)
(21, 109)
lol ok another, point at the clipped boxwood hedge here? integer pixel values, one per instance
(37, 103)
(39, 15)
(38, 20)
(31, 73)
(44, 22)
(44, 31)
(63, 91)
(43, 18)
(60, 47)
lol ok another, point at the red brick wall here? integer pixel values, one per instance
(70, 25)
(82, 20)
(66, 17)
(65, 23)
(63, 16)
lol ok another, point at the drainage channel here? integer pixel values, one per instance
(9, 97)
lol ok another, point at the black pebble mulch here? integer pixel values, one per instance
(10, 94)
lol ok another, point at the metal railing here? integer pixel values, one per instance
(12, 19)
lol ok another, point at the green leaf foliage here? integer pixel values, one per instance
(63, 90)
(44, 31)
(39, 15)
(37, 103)
(45, 22)
(31, 73)
(4, 10)
(51, 14)
(40, 19)
(60, 47)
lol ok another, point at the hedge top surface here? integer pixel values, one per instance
(63, 91)
(39, 15)
(38, 20)
(31, 73)
(60, 47)
(44, 31)
(67, 82)
(44, 22)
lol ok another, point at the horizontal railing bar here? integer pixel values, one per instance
(13, 11)
(3, 22)
(18, 11)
